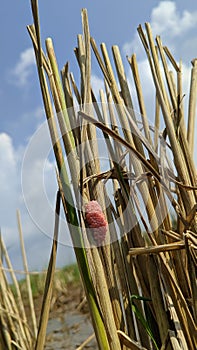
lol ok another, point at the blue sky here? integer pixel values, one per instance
(21, 113)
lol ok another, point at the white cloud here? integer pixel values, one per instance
(37, 213)
(20, 74)
(175, 28)
(6, 156)
(177, 32)
(39, 113)
(97, 84)
(8, 176)
(166, 19)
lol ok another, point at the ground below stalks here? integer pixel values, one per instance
(69, 320)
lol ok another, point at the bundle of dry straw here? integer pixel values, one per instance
(138, 263)
(139, 274)
(17, 330)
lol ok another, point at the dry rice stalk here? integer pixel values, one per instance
(29, 290)
(47, 296)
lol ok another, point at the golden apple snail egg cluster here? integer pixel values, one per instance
(96, 220)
